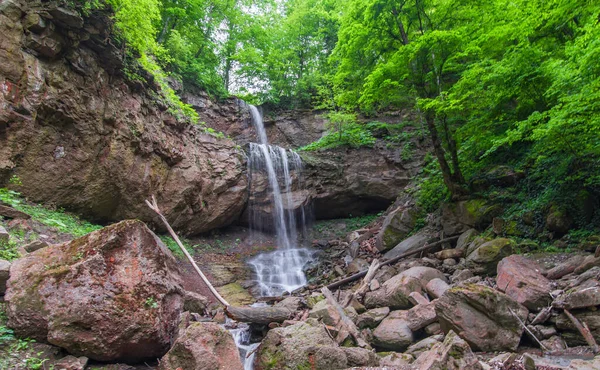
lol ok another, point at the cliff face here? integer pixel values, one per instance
(77, 135)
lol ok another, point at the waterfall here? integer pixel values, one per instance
(279, 271)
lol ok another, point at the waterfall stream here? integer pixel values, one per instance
(279, 271)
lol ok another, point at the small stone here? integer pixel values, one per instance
(449, 262)
(420, 316)
(528, 362)
(372, 318)
(338, 270)
(423, 345)
(450, 253)
(4, 275)
(461, 275)
(10, 212)
(4, 235)
(374, 285)
(35, 245)
(393, 334)
(417, 298)
(433, 329)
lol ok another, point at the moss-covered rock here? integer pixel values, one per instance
(474, 213)
(489, 254)
(235, 294)
(558, 220)
(396, 226)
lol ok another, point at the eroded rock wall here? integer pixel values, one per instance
(78, 136)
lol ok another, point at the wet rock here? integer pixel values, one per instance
(291, 303)
(394, 292)
(396, 226)
(204, 345)
(393, 333)
(482, 316)
(453, 353)
(372, 318)
(489, 254)
(437, 287)
(303, 345)
(112, 295)
(520, 278)
(411, 243)
(4, 275)
(461, 216)
(35, 245)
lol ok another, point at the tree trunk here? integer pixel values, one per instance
(455, 187)
(258, 315)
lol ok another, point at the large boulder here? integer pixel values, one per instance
(118, 144)
(413, 242)
(307, 345)
(453, 354)
(394, 293)
(521, 279)
(463, 215)
(396, 226)
(487, 256)
(482, 316)
(203, 346)
(112, 295)
(393, 333)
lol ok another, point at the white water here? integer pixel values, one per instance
(241, 336)
(279, 271)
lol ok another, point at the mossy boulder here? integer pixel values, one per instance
(558, 221)
(113, 295)
(235, 294)
(307, 346)
(489, 254)
(395, 228)
(460, 216)
(203, 345)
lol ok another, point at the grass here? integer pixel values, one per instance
(351, 223)
(60, 220)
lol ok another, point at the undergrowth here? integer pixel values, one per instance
(58, 219)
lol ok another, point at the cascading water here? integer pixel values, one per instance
(279, 271)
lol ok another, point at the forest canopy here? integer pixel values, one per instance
(494, 82)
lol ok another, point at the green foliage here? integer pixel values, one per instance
(59, 219)
(172, 245)
(150, 302)
(9, 250)
(332, 227)
(431, 189)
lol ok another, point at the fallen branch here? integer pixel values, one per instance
(543, 347)
(364, 287)
(584, 330)
(154, 206)
(345, 324)
(358, 275)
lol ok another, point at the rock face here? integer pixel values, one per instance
(306, 345)
(482, 317)
(521, 279)
(203, 346)
(112, 295)
(66, 109)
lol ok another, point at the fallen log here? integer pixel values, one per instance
(584, 330)
(358, 275)
(258, 315)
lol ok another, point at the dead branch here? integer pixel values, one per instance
(344, 324)
(154, 206)
(543, 347)
(584, 330)
(358, 275)
(364, 287)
